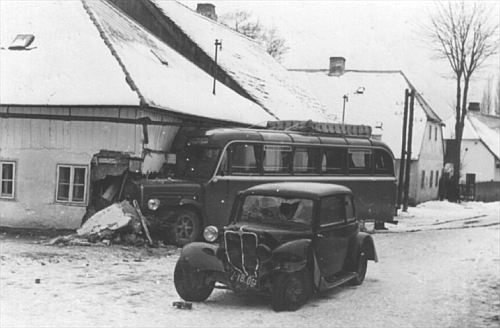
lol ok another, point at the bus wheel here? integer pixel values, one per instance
(186, 227)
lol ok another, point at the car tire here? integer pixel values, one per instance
(192, 286)
(186, 227)
(361, 267)
(290, 290)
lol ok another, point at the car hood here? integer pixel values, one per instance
(272, 234)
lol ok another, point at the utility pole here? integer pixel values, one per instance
(343, 111)
(218, 46)
(403, 153)
(408, 155)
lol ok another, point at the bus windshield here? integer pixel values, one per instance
(197, 162)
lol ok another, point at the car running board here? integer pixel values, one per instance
(336, 280)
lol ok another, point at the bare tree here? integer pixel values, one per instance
(244, 23)
(464, 34)
(497, 97)
(487, 100)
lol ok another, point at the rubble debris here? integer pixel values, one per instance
(183, 305)
(119, 223)
(112, 217)
(143, 221)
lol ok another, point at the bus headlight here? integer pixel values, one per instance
(211, 233)
(153, 204)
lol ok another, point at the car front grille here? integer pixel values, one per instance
(240, 250)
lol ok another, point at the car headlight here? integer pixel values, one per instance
(153, 204)
(211, 233)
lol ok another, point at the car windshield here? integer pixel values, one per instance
(197, 162)
(275, 209)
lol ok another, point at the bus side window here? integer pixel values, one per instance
(306, 160)
(277, 159)
(333, 161)
(383, 162)
(360, 161)
(223, 168)
(243, 159)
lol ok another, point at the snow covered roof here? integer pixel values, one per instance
(374, 98)
(478, 126)
(89, 53)
(267, 81)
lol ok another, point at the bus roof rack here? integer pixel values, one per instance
(321, 127)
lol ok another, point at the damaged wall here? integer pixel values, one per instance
(40, 148)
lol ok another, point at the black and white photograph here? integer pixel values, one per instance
(261, 163)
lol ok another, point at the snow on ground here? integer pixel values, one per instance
(435, 215)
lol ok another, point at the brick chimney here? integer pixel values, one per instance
(207, 9)
(474, 106)
(337, 66)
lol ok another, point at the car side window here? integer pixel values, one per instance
(332, 210)
(349, 209)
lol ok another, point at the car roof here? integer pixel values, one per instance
(298, 189)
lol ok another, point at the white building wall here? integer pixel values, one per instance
(38, 146)
(430, 164)
(478, 160)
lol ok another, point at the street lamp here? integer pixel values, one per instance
(346, 99)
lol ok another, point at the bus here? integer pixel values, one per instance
(213, 165)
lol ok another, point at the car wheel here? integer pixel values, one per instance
(290, 291)
(186, 228)
(361, 267)
(192, 286)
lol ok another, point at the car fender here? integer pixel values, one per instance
(364, 239)
(292, 256)
(193, 203)
(201, 256)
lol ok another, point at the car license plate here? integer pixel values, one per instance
(244, 279)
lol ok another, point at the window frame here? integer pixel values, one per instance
(72, 184)
(12, 196)
(422, 182)
(367, 169)
(341, 199)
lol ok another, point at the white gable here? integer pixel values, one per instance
(85, 52)
(380, 103)
(69, 64)
(248, 63)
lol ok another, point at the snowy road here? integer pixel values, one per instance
(427, 278)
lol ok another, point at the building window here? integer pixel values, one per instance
(422, 183)
(7, 180)
(71, 184)
(435, 133)
(431, 179)
(437, 178)
(430, 132)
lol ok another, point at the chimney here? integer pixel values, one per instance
(474, 106)
(207, 10)
(337, 66)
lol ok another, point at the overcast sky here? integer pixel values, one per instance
(371, 35)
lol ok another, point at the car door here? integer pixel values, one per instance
(332, 235)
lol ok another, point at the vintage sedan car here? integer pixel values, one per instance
(288, 239)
